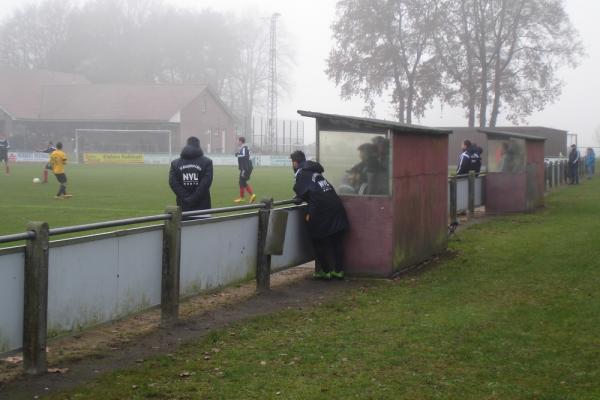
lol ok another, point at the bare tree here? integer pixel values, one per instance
(505, 53)
(35, 35)
(385, 46)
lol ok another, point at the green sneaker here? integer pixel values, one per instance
(322, 275)
(337, 275)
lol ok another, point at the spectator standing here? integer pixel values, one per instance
(326, 218)
(590, 162)
(191, 176)
(464, 160)
(475, 156)
(574, 157)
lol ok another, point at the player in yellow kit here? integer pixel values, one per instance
(58, 159)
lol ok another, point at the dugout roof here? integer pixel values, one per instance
(359, 123)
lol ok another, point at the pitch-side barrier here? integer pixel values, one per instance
(50, 287)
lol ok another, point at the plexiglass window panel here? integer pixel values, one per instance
(506, 155)
(356, 163)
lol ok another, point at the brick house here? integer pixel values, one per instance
(37, 106)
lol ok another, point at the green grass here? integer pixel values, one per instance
(105, 192)
(515, 314)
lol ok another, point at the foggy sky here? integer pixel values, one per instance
(308, 23)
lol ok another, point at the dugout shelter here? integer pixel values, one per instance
(392, 179)
(515, 172)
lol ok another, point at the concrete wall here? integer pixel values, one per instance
(98, 278)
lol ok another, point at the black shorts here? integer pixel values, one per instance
(244, 179)
(3, 157)
(61, 178)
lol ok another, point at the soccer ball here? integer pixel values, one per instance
(36, 180)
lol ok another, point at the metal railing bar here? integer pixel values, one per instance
(286, 202)
(108, 224)
(17, 237)
(254, 206)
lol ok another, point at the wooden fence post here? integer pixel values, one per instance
(453, 200)
(471, 199)
(169, 294)
(35, 310)
(263, 261)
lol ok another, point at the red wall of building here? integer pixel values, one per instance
(505, 192)
(420, 176)
(203, 114)
(368, 243)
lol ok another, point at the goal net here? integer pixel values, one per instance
(123, 146)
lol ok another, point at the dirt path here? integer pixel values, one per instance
(290, 289)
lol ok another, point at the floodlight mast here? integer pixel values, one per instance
(272, 91)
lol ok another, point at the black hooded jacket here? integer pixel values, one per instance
(190, 178)
(326, 212)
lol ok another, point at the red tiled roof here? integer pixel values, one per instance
(116, 102)
(55, 96)
(21, 90)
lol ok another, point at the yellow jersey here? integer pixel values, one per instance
(58, 159)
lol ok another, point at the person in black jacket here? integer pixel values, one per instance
(326, 218)
(475, 155)
(245, 167)
(190, 177)
(464, 161)
(574, 157)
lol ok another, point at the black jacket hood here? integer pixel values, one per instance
(312, 166)
(191, 152)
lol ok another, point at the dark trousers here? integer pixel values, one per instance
(329, 252)
(62, 179)
(574, 173)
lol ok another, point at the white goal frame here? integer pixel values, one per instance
(151, 131)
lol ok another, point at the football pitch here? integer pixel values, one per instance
(108, 192)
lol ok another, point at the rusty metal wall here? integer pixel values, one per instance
(505, 192)
(420, 187)
(369, 241)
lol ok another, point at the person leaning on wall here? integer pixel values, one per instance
(326, 218)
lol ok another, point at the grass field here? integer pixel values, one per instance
(105, 192)
(513, 314)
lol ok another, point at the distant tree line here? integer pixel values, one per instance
(489, 57)
(145, 41)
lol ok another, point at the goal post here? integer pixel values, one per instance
(123, 145)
